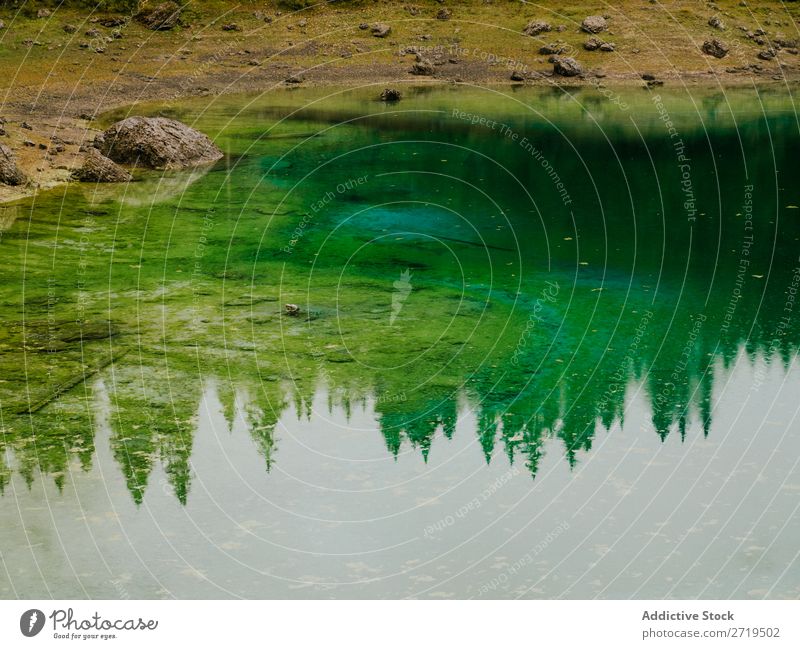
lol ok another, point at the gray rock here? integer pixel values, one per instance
(592, 44)
(536, 27)
(70, 29)
(785, 42)
(594, 24)
(553, 48)
(10, 173)
(443, 14)
(567, 67)
(422, 67)
(716, 23)
(381, 30)
(97, 168)
(157, 143)
(767, 55)
(607, 47)
(162, 17)
(715, 48)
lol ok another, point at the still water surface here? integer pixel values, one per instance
(546, 348)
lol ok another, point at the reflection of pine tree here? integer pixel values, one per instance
(262, 416)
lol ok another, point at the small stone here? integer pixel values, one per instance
(594, 24)
(592, 44)
(422, 67)
(567, 67)
(292, 309)
(381, 30)
(536, 27)
(231, 27)
(553, 48)
(715, 48)
(70, 29)
(443, 14)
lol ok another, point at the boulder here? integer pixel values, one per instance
(715, 48)
(767, 55)
(443, 14)
(566, 66)
(716, 23)
(10, 173)
(162, 17)
(594, 24)
(381, 30)
(70, 29)
(536, 27)
(157, 143)
(97, 168)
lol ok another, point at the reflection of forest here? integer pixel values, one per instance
(153, 399)
(644, 299)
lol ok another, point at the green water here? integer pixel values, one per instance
(546, 348)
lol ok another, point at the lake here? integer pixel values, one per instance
(543, 345)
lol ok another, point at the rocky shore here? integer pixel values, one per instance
(66, 66)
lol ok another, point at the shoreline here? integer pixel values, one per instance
(59, 81)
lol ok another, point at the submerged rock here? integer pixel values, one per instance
(10, 173)
(391, 94)
(97, 168)
(156, 142)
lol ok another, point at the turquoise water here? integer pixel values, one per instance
(545, 347)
